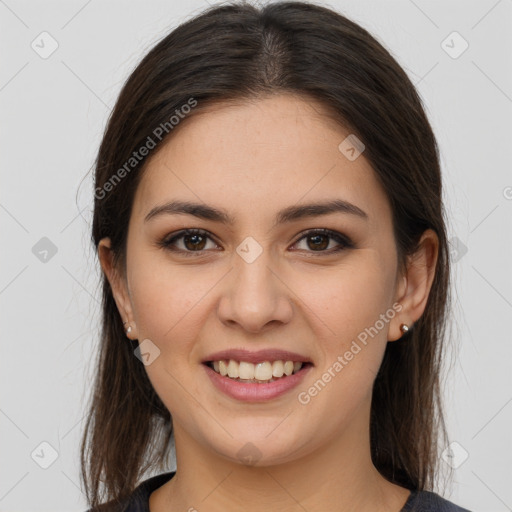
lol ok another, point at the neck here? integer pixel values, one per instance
(339, 475)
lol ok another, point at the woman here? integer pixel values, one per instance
(269, 222)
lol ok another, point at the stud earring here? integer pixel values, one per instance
(404, 328)
(127, 329)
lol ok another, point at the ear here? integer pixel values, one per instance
(415, 284)
(118, 285)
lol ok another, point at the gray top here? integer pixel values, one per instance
(138, 501)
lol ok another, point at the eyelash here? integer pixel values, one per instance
(343, 240)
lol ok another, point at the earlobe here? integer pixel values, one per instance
(417, 282)
(117, 285)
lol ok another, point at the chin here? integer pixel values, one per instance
(261, 449)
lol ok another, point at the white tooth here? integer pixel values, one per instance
(233, 369)
(288, 367)
(263, 371)
(216, 365)
(246, 370)
(296, 366)
(223, 368)
(277, 369)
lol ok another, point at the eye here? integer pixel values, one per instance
(318, 240)
(194, 241)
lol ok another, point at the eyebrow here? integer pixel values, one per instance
(289, 214)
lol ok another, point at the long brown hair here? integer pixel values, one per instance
(237, 51)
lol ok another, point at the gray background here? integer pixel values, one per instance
(54, 110)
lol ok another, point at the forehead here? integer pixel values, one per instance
(259, 154)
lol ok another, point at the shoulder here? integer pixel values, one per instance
(427, 501)
(138, 500)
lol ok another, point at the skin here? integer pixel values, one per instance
(312, 457)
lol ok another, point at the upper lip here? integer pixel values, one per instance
(258, 356)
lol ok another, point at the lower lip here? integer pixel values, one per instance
(253, 392)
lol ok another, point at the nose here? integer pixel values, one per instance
(255, 296)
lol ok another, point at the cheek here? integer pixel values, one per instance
(348, 298)
(165, 298)
(169, 305)
(353, 310)
(172, 306)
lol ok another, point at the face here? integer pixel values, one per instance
(322, 285)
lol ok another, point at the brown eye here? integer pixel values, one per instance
(193, 242)
(318, 240)
(188, 242)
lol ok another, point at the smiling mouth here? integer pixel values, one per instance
(264, 372)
